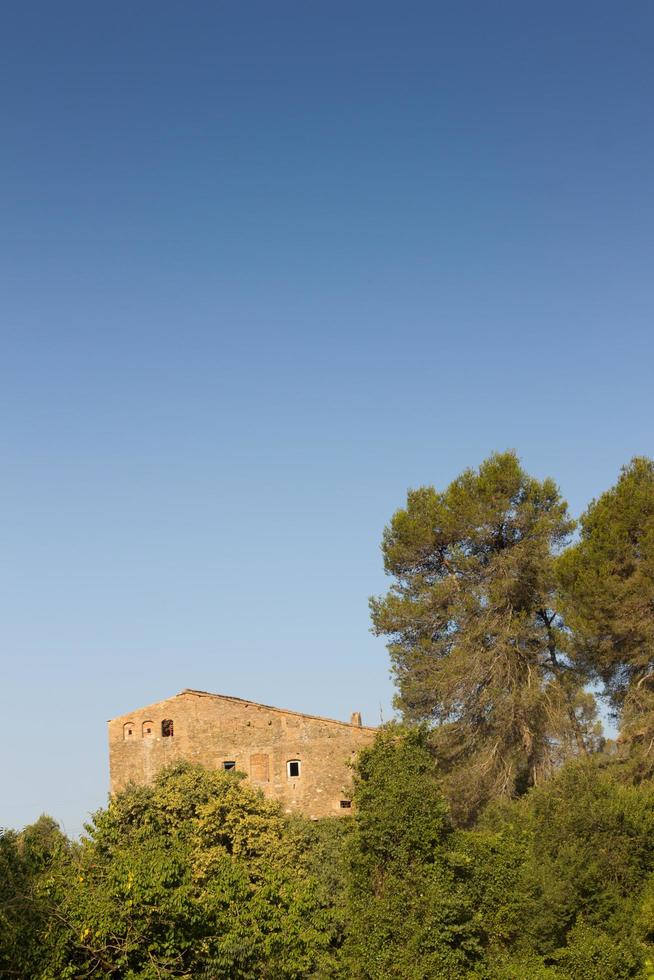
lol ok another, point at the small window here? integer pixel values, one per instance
(229, 764)
(293, 768)
(167, 728)
(147, 729)
(346, 804)
(128, 729)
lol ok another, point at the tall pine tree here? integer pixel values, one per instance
(607, 585)
(477, 646)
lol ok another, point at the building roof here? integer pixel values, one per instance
(254, 704)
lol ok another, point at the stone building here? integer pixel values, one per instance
(300, 760)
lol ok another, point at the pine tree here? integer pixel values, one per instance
(477, 647)
(607, 584)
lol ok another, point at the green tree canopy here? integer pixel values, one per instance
(27, 860)
(577, 896)
(607, 586)
(408, 912)
(477, 646)
(195, 876)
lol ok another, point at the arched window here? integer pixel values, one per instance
(167, 728)
(128, 729)
(147, 729)
(293, 768)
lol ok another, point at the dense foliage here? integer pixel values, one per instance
(195, 876)
(199, 876)
(607, 582)
(494, 836)
(410, 913)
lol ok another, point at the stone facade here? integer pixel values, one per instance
(300, 760)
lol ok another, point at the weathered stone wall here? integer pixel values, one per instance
(212, 729)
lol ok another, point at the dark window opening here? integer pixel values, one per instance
(167, 728)
(346, 804)
(293, 768)
(129, 731)
(229, 765)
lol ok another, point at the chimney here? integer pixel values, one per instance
(355, 719)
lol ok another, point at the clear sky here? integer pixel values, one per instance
(263, 266)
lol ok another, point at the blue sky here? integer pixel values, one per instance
(263, 268)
